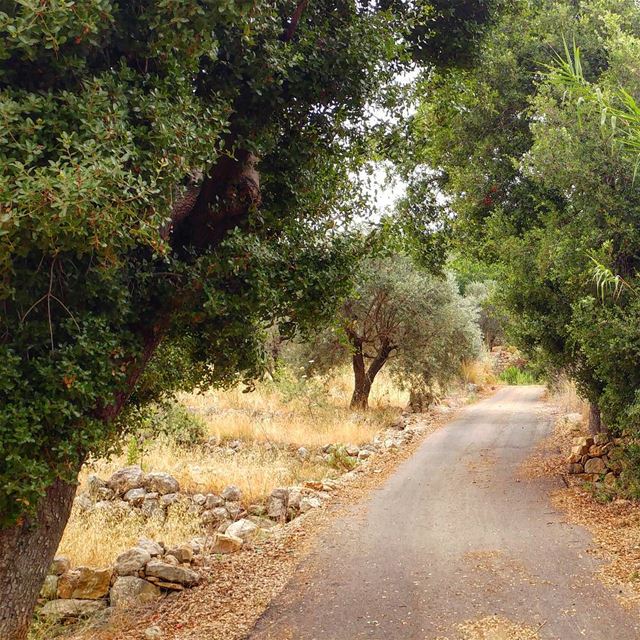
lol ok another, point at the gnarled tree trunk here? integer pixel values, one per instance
(364, 377)
(595, 420)
(26, 551)
(199, 223)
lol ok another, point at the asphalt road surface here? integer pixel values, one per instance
(454, 535)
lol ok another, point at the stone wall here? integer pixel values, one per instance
(591, 458)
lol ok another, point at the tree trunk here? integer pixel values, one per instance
(26, 551)
(595, 419)
(362, 386)
(364, 377)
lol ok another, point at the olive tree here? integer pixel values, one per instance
(403, 317)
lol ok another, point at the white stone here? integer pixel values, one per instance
(231, 494)
(71, 608)
(135, 496)
(170, 573)
(126, 479)
(308, 503)
(169, 498)
(223, 543)
(152, 547)
(161, 482)
(212, 501)
(130, 590)
(243, 529)
(131, 561)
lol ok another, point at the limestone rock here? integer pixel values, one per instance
(580, 449)
(363, 454)
(49, 589)
(276, 508)
(352, 450)
(294, 497)
(126, 479)
(60, 565)
(601, 439)
(610, 479)
(94, 485)
(63, 609)
(302, 453)
(231, 494)
(575, 467)
(153, 633)
(84, 583)
(223, 543)
(170, 573)
(308, 503)
(595, 466)
(243, 529)
(135, 496)
(150, 546)
(212, 501)
(162, 483)
(128, 590)
(82, 502)
(234, 509)
(131, 561)
(183, 553)
(168, 499)
(151, 506)
(199, 499)
(257, 509)
(213, 516)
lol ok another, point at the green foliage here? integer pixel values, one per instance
(516, 375)
(629, 480)
(111, 113)
(533, 152)
(340, 460)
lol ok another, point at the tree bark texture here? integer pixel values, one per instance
(26, 552)
(595, 420)
(364, 376)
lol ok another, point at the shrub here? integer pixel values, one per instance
(514, 375)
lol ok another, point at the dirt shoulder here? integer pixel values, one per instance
(239, 587)
(614, 525)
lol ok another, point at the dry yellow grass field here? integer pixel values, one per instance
(272, 422)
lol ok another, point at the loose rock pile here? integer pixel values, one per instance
(503, 358)
(139, 574)
(590, 456)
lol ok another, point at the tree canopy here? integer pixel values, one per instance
(542, 183)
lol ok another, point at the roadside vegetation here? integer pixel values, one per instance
(184, 217)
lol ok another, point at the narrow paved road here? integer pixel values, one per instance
(454, 535)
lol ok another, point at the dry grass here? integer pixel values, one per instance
(96, 538)
(288, 415)
(309, 414)
(564, 395)
(478, 372)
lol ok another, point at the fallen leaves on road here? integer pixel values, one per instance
(494, 628)
(615, 526)
(616, 529)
